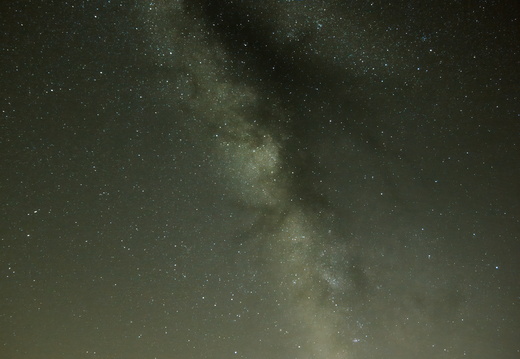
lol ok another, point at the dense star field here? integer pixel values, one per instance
(266, 179)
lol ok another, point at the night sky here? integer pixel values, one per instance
(260, 179)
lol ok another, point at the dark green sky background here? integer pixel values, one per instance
(259, 179)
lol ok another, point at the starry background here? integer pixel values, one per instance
(259, 179)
